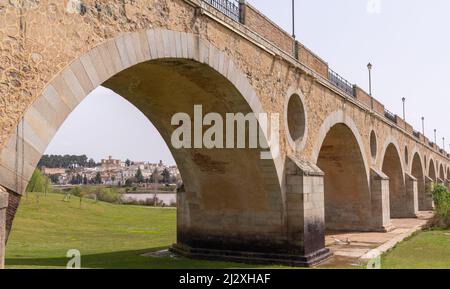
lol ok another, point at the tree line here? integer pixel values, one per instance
(66, 161)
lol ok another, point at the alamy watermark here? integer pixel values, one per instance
(229, 131)
(74, 256)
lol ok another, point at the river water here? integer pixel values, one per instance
(167, 199)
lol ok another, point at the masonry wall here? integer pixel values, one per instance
(260, 24)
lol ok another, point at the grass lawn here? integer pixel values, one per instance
(115, 236)
(108, 236)
(426, 250)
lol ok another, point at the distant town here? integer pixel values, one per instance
(79, 170)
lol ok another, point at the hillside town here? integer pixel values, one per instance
(112, 172)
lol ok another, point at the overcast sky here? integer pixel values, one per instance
(407, 41)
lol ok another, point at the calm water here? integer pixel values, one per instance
(166, 198)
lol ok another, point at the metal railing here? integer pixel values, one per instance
(340, 82)
(389, 115)
(416, 134)
(228, 7)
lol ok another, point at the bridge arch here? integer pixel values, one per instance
(222, 187)
(432, 170)
(418, 171)
(346, 185)
(441, 173)
(392, 166)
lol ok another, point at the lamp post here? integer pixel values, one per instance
(435, 136)
(443, 143)
(293, 19)
(404, 114)
(423, 126)
(369, 67)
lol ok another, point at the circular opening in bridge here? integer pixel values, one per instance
(296, 118)
(373, 144)
(406, 155)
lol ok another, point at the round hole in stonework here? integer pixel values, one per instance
(373, 144)
(296, 117)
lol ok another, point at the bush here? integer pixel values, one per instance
(109, 195)
(441, 198)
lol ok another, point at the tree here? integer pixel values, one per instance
(91, 163)
(54, 178)
(38, 183)
(154, 178)
(98, 178)
(128, 183)
(139, 177)
(165, 176)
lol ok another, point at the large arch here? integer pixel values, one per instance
(441, 173)
(417, 171)
(432, 170)
(392, 167)
(232, 197)
(347, 194)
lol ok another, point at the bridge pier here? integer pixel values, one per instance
(297, 238)
(426, 199)
(412, 202)
(3, 232)
(381, 215)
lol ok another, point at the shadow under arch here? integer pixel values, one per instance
(347, 192)
(232, 198)
(441, 173)
(418, 171)
(432, 170)
(393, 168)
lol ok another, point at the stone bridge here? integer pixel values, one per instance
(345, 163)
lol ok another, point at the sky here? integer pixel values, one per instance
(407, 41)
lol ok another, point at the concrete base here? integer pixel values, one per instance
(252, 257)
(350, 248)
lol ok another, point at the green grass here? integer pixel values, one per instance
(107, 235)
(426, 250)
(115, 236)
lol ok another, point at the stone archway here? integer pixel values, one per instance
(232, 198)
(392, 167)
(441, 173)
(347, 196)
(417, 171)
(432, 170)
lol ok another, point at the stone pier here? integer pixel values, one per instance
(3, 207)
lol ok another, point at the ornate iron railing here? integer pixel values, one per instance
(389, 115)
(228, 7)
(340, 82)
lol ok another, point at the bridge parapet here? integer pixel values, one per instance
(262, 26)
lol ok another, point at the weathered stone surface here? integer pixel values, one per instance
(165, 56)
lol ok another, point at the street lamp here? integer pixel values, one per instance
(435, 136)
(423, 126)
(369, 67)
(443, 143)
(293, 19)
(404, 115)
